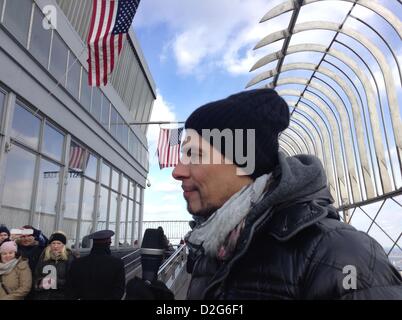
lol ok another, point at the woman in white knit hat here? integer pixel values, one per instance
(15, 274)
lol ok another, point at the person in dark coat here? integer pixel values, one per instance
(31, 245)
(4, 233)
(49, 284)
(98, 276)
(265, 227)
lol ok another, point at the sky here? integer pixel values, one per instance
(200, 51)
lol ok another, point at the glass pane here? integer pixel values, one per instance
(71, 203)
(58, 59)
(112, 213)
(53, 142)
(115, 180)
(91, 167)
(17, 17)
(1, 7)
(123, 213)
(2, 98)
(360, 221)
(124, 188)
(131, 190)
(88, 198)
(86, 90)
(96, 103)
(25, 126)
(113, 122)
(138, 194)
(105, 174)
(48, 188)
(73, 76)
(78, 158)
(86, 229)
(40, 39)
(125, 136)
(120, 122)
(19, 176)
(105, 113)
(103, 202)
(130, 222)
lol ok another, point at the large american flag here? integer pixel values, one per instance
(79, 157)
(169, 147)
(110, 20)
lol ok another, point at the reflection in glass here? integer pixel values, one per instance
(115, 180)
(46, 202)
(58, 59)
(103, 202)
(138, 194)
(86, 90)
(113, 212)
(53, 142)
(78, 157)
(19, 177)
(105, 113)
(131, 189)
(88, 199)
(120, 124)
(92, 167)
(96, 103)
(2, 98)
(17, 17)
(113, 122)
(71, 202)
(124, 187)
(73, 76)
(125, 136)
(123, 213)
(40, 39)
(130, 221)
(105, 174)
(25, 126)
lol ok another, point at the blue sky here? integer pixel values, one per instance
(200, 51)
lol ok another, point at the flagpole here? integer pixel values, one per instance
(155, 122)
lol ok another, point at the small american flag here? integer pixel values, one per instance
(79, 157)
(110, 20)
(169, 147)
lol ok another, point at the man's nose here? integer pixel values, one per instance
(181, 171)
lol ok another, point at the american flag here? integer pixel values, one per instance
(110, 20)
(169, 147)
(79, 157)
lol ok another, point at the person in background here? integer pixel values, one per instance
(99, 275)
(15, 275)
(49, 285)
(4, 233)
(30, 245)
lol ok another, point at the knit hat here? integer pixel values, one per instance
(3, 228)
(260, 109)
(8, 246)
(58, 236)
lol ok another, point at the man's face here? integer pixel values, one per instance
(27, 240)
(3, 236)
(206, 186)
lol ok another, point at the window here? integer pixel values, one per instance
(105, 113)
(131, 189)
(103, 202)
(115, 180)
(71, 204)
(96, 103)
(105, 174)
(123, 219)
(113, 122)
(119, 133)
(53, 142)
(25, 127)
(40, 39)
(2, 99)
(130, 222)
(17, 17)
(1, 7)
(58, 59)
(113, 211)
(88, 198)
(86, 90)
(48, 187)
(19, 177)
(124, 187)
(92, 165)
(125, 136)
(73, 76)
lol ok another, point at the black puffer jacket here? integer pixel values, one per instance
(297, 249)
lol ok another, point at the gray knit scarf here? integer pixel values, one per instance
(212, 233)
(6, 268)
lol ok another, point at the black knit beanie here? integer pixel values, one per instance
(58, 237)
(260, 109)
